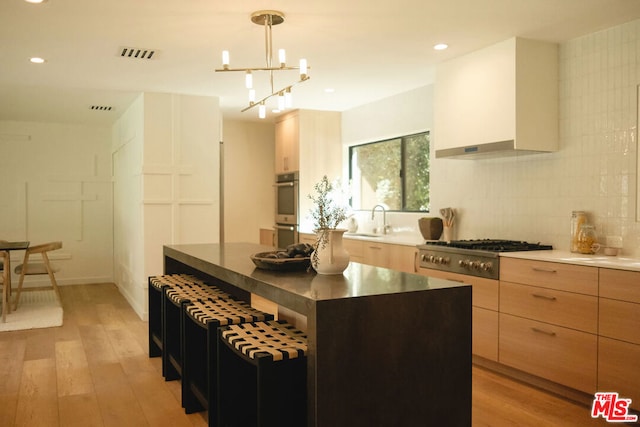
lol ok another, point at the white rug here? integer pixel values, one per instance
(37, 309)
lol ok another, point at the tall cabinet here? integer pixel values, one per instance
(308, 141)
(287, 143)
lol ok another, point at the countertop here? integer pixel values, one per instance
(399, 238)
(597, 260)
(298, 291)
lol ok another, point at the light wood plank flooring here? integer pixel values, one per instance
(95, 371)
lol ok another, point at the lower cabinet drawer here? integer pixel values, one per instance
(566, 309)
(620, 320)
(619, 369)
(485, 333)
(561, 355)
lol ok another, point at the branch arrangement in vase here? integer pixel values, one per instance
(326, 213)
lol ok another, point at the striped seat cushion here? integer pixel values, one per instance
(183, 292)
(160, 282)
(224, 312)
(278, 340)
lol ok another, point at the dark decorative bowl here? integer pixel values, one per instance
(280, 264)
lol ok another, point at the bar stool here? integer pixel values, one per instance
(155, 292)
(175, 297)
(262, 375)
(202, 318)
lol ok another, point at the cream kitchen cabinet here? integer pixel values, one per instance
(403, 258)
(287, 143)
(307, 238)
(379, 254)
(484, 310)
(267, 237)
(619, 330)
(505, 94)
(548, 321)
(355, 249)
(376, 253)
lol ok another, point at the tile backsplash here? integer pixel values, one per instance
(530, 197)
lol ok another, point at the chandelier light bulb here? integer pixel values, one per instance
(225, 59)
(288, 98)
(303, 68)
(252, 96)
(262, 111)
(281, 103)
(248, 79)
(282, 57)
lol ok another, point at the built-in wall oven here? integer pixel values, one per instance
(286, 228)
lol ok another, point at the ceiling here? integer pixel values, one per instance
(362, 49)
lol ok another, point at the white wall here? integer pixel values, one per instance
(403, 114)
(57, 186)
(249, 174)
(166, 180)
(128, 226)
(531, 197)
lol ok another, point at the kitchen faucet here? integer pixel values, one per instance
(385, 228)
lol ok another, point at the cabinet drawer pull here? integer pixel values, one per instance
(547, 297)
(542, 331)
(544, 270)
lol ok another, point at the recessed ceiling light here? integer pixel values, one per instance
(441, 46)
(329, 90)
(36, 60)
(36, 1)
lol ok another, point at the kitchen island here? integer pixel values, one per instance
(385, 348)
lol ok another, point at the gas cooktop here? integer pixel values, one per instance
(491, 245)
(471, 257)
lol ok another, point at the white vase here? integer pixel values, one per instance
(331, 257)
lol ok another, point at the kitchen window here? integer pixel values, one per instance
(393, 173)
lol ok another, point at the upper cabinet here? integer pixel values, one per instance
(287, 143)
(499, 100)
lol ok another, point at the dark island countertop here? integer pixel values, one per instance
(297, 290)
(384, 347)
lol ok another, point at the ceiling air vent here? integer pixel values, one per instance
(101, 108)
(137, 53)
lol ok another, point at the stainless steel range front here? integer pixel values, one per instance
(478, 258)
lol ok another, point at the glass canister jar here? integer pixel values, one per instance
(587, 240)
(577, 219)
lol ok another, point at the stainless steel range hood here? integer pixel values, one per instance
(489, 150)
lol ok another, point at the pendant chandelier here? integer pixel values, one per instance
(268, 18)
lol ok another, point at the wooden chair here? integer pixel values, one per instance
(44, 267)
(4, 255)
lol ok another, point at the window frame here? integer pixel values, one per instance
(403, 184)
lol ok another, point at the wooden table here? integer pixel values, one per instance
(6, 287)
(386, 348)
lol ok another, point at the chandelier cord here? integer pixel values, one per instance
(268, 22)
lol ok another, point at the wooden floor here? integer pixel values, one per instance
(95, 371)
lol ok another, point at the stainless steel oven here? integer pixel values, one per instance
(286, 209)
(287, 198)
(286, 235)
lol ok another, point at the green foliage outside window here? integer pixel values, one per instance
(394, 173)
